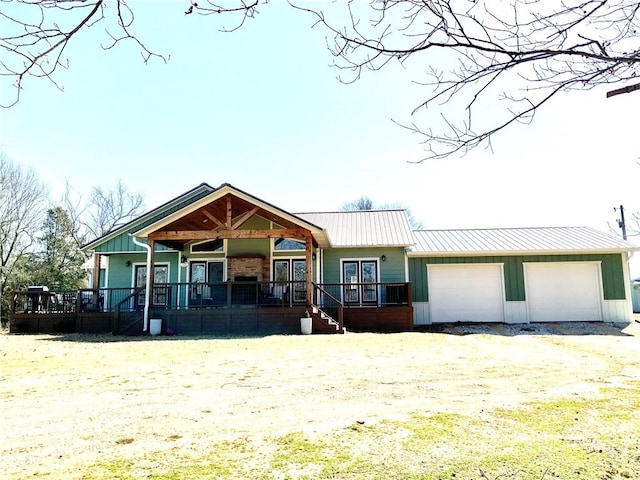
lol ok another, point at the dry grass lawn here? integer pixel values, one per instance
(75, 406)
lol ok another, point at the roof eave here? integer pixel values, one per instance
(492, 253)
(318, 233)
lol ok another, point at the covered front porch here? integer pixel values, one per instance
(225, 308)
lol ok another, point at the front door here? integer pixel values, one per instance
(360, 278)
(289, 273)
(206, 280)
(160, 295)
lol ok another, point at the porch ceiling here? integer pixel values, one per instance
(214, 217)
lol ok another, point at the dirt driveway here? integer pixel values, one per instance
(69, 401)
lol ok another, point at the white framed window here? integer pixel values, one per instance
(360, 279)
(290, 273)
(160, 296)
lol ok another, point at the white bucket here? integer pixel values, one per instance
(155, 326)
(305, 325)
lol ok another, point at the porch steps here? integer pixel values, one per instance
(323, 323)
(130, 325)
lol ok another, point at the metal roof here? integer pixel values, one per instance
(517, 240)
(364, 228)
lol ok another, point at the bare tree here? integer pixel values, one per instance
(362, 203)
(22, 206)
(484, 65)
(365, 203)
(111, 208)
(106, 209)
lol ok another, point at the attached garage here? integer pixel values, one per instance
(563, 291)
(520, 275)
(466, 293)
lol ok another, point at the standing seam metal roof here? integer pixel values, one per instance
(517, 240)
(364, 228)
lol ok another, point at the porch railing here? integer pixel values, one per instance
(384, 294)
(228, 294)
(328, 306)
(178, 296)
(69, 301)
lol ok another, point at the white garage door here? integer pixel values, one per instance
(563, 292)
(465, 293)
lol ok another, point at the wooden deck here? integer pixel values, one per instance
(92, 311)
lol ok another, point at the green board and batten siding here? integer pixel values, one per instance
(611, 272)
(121, 275)
(391, 270)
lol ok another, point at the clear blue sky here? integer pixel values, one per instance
(262, 109)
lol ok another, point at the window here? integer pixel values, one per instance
(211, 275)
(290, 274)
(287, 244)
(208, 246)
(206, 272)
(160, 295)
(360, 278)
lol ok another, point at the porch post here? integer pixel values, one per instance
(96, 271)
(308, 245)
(95, 284)
(151, 271)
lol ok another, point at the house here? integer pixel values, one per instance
(222, 261)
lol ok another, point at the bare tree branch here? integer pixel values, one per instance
(497, 63)
(111, 208)
(480, 65)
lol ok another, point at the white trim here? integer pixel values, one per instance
(360, 260)
(616, 311)
(406, 268)
(511, 253)
(159, 264)
(627, 284)
(318, 265)
(106, 281)
(133, 252)
(421, 313)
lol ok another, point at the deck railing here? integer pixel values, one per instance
(328, 305)
(364, 294)
(179, 296)
(228, 294)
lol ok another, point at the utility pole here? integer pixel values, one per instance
(621, 222)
